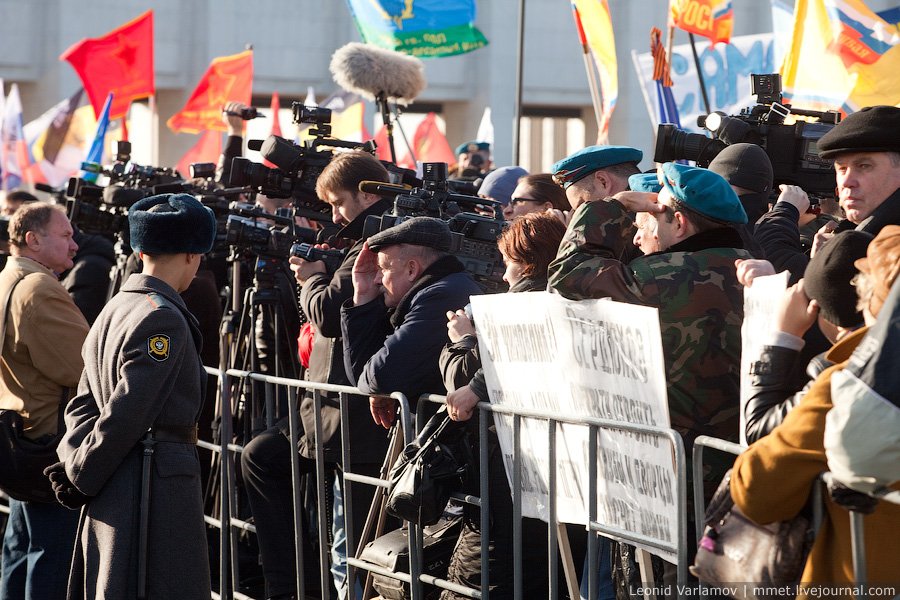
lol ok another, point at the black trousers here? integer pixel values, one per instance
(266, 466)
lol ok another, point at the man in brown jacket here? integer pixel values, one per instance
(40, 359)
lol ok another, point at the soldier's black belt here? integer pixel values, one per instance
(175, 434)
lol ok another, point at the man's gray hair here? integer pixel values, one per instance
(31, 217)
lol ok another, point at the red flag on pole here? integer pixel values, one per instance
(207, 149)
(228, 78)
(430, 144)
(120, 62)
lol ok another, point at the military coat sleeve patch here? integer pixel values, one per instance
(158, 347)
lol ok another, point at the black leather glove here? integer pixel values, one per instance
(66, 493)
(851, 499)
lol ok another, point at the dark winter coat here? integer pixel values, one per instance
(398, 351)
(321, 298)
(142, 370)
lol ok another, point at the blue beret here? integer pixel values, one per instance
(703, 191)
(419, 231)
(590, 159)
(501, 183)
(171, 224)
(473, 146)
(645, 182)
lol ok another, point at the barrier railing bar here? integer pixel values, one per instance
(517, 507)
(473, 500)
(294, 434)
(551, 512)
(484, 502)
(611, 531)
(346, 488)
(320, 490)
(593, 540)
(373, 481)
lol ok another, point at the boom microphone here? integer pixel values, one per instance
(383, 189)
(372, 72)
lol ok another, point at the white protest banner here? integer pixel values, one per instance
(594, 358)
(726, 71)
(761, 302)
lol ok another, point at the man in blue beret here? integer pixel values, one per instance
(596, 172)
(691, 280)
(473, 160)
(132, 428)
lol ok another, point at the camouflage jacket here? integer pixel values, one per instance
(700, 302)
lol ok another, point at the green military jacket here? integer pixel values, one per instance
(701, 306)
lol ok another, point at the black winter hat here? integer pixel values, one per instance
(419, 231)
(872, 129)
(744, 165)
(828, 275)
(171, 224)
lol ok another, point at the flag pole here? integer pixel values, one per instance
(699, 73)
(596, 99)
(517, 110)
(154, 130)
(670, 39)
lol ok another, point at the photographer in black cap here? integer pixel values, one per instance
(395, 326)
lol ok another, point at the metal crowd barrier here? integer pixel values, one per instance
(229, 524)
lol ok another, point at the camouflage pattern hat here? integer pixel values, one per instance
(703, 191)
(593, 158)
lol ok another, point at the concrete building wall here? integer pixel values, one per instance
(293, 42)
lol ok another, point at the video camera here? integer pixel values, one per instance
(474, 236)
(298, 166)
(332, 258)
(251, 230)
(791, 148)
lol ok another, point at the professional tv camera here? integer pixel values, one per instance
(251, 230)
(103, 210)
(474, 236)
(298, 166)
(791, 148)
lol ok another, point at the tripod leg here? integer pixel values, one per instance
(376, 517)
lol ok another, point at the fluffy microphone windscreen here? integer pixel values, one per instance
(370, 71)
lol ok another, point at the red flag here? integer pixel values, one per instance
(228, 78)
(120, 62)
(276, 123)
(207, 149)
(430, 144)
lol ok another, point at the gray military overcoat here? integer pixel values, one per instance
(142, 369)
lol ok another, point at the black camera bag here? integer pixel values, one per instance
(428, 471)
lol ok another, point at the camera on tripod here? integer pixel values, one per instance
(791, 148)
(297, 166)
(474, 236)
(250, 230)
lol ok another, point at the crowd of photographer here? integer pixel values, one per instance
(348, 270)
